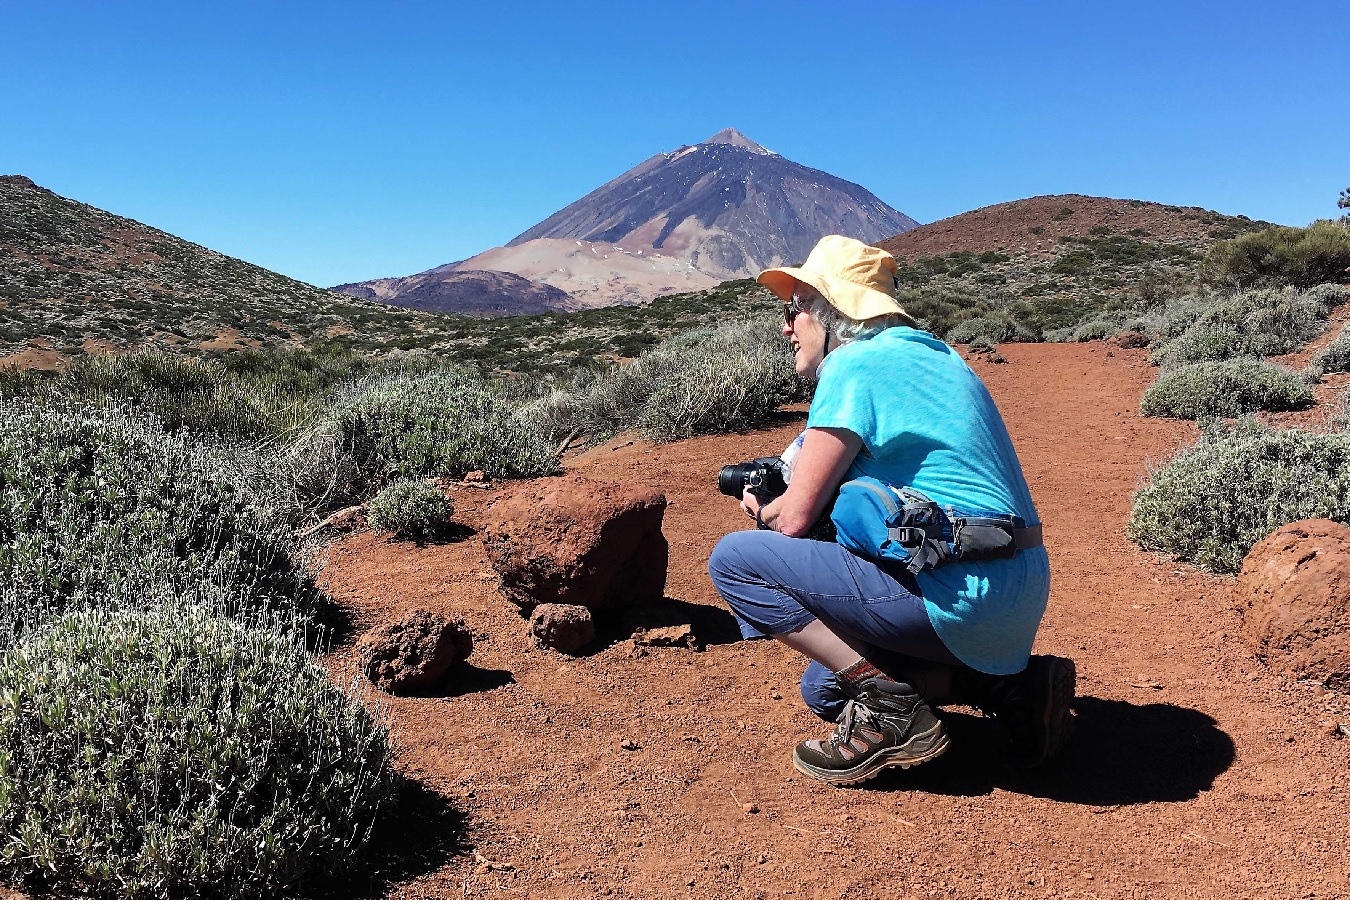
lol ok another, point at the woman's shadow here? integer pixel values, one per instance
(1121, 753)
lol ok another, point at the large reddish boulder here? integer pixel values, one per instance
(577, 541)
(415, 653)
(1294, 597)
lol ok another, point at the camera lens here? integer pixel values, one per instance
(731, 479)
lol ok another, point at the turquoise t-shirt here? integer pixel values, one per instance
(927, 421)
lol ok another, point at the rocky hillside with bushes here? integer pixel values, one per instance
(1035, 267)
(76, 279)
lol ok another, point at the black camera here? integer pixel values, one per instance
(762, 477)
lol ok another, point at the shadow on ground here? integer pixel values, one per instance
(1121, 754)
(466, 678)
(419, 835)
(710, 624)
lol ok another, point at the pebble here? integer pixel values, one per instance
(750, 807)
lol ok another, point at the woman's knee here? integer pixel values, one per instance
(821, 692)
(728, 562)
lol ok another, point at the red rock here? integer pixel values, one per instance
(414, 653)
(576, 541)
(1294, 597)
(1130, 340)
(562, 626)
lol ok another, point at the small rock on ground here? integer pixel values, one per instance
(415, 653)
(563, 627)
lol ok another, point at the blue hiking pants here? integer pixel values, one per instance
(775, 584)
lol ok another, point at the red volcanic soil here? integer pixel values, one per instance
(1008, 226)
(1195, 772)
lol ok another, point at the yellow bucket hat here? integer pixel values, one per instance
(857, 279)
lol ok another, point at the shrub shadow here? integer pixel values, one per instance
(451, 533)
(335, 626)
(420, 834)
(1121, 754)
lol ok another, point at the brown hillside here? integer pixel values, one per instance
(1196, 772)
(1009, 226)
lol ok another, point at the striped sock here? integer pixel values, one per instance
(861, 671)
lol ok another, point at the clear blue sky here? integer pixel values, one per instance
(342, 141)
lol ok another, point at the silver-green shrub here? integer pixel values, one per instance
(994, 328)
(1334, 357)
(729, 379)
(702, 381)
(1239, 483)
(180, 392)
(101, 505)
(170, 753)
(1229, 387)
(1260, 322)
(410, 508)
(434, 424)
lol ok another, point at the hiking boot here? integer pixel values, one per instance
(1034, 707)
(887, 724)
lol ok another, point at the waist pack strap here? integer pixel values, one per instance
(1026, 538)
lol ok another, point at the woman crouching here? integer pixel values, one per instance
(888, 640)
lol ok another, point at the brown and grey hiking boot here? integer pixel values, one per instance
(888, 724)
(1034, 707)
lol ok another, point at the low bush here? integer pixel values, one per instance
(728, 379)
(169, 753)
(180, 392)
(1239, 483)
(1334, 357)
(1282, 255)
(436, 424)
(1261, 322)
(703, 381)
(1230, 387)
(994, 328)
(1095, 330)
(102, 504)
(411, 508)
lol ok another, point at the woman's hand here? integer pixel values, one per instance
(750, 503)
(825, 457)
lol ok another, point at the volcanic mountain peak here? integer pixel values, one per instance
(736, 139)
(728, 207)
(680, 221)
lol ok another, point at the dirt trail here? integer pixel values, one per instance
(1195, 772)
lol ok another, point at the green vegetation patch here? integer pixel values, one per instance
(705, 381)
(1229, 388)
(412, 508)
(1302, 257)
(1239, 483)
(101, 505)
(169, 753)
(442, 423)
(1258, 322)
(1334, 357)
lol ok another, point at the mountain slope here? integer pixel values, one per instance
(74, 278)
(1052, 262)
(473, 292)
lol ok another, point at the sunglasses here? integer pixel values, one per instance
(792, 310)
